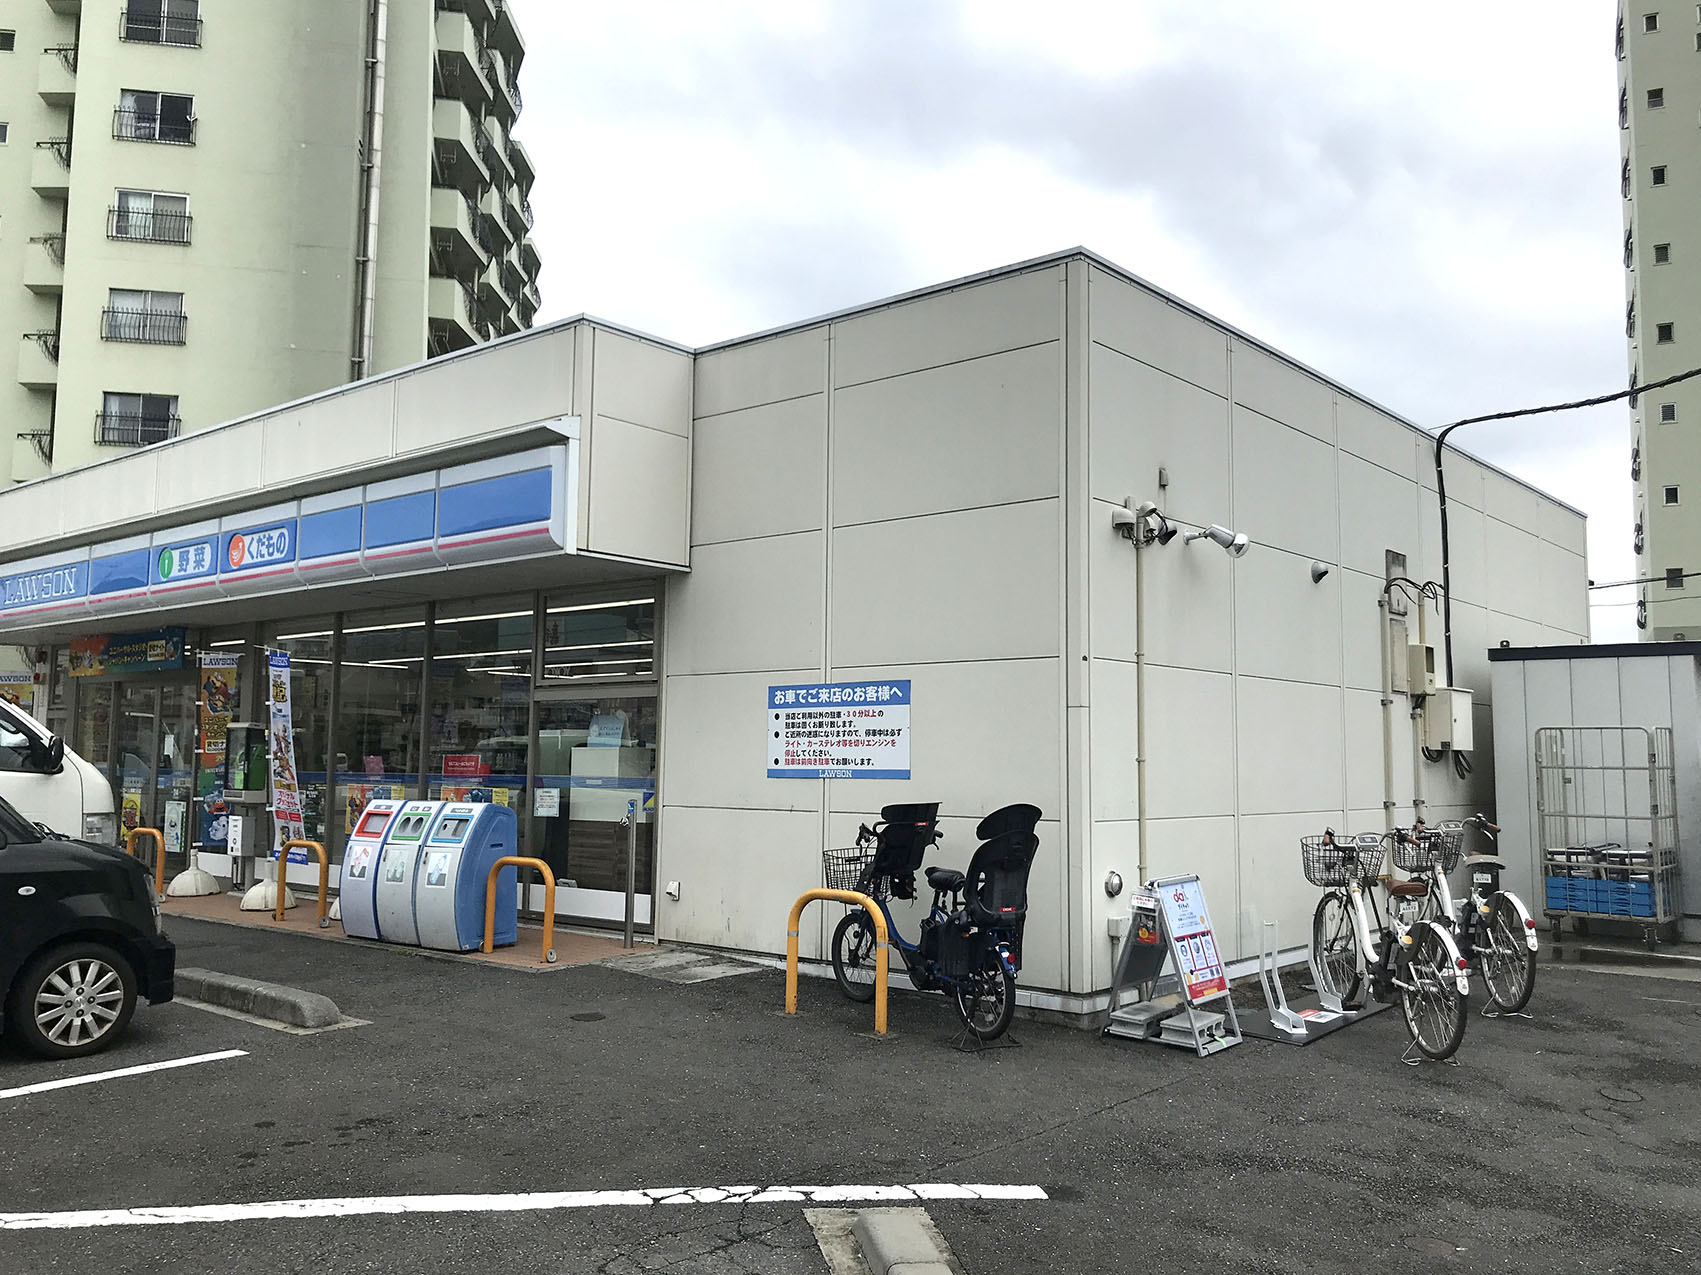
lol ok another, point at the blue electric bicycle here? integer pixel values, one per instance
(970, 946)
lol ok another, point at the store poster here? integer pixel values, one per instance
(838, 730)
(176, 818)
(1189, 923)
(130, 810)
(18, 690)
(286, 791)
(107, 654)
(217, 707)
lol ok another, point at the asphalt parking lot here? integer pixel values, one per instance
(1567, 1142)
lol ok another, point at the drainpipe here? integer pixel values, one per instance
(1418, 710)
(1140, 697)
(371, 165)
(1387, 619)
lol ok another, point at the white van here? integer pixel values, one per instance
(49, 784)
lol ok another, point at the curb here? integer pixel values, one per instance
(897, 1242)
(263, 1000)
(1585, 954)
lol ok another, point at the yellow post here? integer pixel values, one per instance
(881, 948)
(548, 903)
(324, 878)
(159, 856)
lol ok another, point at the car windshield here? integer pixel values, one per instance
(14, 828)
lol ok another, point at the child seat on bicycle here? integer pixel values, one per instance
(995, 888)
(901, 841)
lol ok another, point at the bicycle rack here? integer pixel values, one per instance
(1282, 1018)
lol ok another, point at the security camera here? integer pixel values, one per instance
(1166, 533)
(1124, 523)
(1318, 571)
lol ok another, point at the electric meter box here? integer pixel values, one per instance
(1420, 675)
(247, 764)
(359, 888)
(1447, 720)
(460, 850)
(398, 867)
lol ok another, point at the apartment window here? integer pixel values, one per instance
(155, 117)
(150, 216)
(3, 131)
(1624, 108)
(1662, 254)
(1698, 40)
(1658, 174)
(1656, 99)
(1668, 413)
(1671, 495)
(134, 420)
(1674, 577)
(8, 41)
(1664, 333)
(150, 318)
(175, 22)
(1650, 22)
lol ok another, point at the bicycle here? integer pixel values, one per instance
(1353, 947)
(970, 943)
(1493, 928)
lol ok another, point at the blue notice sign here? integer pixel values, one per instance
(839, 730)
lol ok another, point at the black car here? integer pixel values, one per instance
(80, 940)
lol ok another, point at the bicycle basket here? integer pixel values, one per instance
(1437, 847)
(1337, 861)
(842, 867)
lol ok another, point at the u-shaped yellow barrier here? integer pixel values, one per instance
(324, 878)
(519, 861)
(159, 856)
(882, 949)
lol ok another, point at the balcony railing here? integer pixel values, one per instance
(67, 54)
(48, 339)
(145, 327)
(42, 441)
(147, 226)
(55, 245)
(131, 125)
(61, 148)
(155, 28)
(126, 429)
(486, 150)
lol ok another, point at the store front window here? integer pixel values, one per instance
(600, 641)
(378, 709)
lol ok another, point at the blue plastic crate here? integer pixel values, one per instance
(1630, 898)
(1588, 895)
(1558, 894)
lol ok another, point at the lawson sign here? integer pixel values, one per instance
(490, 511)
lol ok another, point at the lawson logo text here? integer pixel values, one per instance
(41, 587)
(257, 548)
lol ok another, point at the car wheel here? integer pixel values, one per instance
(71, 1001)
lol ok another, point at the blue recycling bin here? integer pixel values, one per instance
(460, 849)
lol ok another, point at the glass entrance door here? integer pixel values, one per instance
(596, 758)
(153, 758)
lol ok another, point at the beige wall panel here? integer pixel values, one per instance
(331, 435)
(1380, 439)
(968, 749)
(1511, 502)
(1158, 333)
(227, 462)
(537, 379)
(1176, 847)
(1515, 558)
(1364, 751)
(1467, 549)
(1361, 629)
(1282, 392)
(739, 872)
(1284, 487)
(1559, 525)
(747, 606)
(1564, 588)
(35, 511)
(984, 432)
(893, 601)
(767, 371)
(642, 383)
(713, 732)
(120, 497)
(640, 492)
(759, 471)
(1272, 882)
(1289, 737)
(1465, 477)
(1189, 722)
(1285, 626)
(1004, 314)
(1115, 790)
(1188, 600)
(1378, 513)
(1470, 649)
(1143, 418)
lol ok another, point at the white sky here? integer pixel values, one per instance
(1419, 200)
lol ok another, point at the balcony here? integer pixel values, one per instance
(524, 173)
(131, 125)
(159, 28)
(464, 65)
(144, 327)
(490, 153)
(453, 315)
(142, 225)
(482, 13)
(38, 360)
(126, 429)
(44, 265)
(514, 212)
(56, 75)
(70, 8)
(506, 95)
(530, 260)
(505, 36)
(50, 169)
(457, 232)
(456, 156)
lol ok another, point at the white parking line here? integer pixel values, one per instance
(97, 1077)
(358, 1206)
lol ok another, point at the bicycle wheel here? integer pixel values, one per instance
(1503, 955)
(986, 999)
(1430, 998)
(1334, 945)
(854, 955)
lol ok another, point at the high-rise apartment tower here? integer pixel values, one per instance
(1659, 101)
(208, 207)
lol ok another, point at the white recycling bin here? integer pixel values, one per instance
(358, 892)
(398, 866)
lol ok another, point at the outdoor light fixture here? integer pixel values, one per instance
(1234, 543)
(1318, 571)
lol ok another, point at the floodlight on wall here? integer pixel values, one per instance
(1234, 543)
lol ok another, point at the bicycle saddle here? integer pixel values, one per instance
(948, 880)
(1408, 889)
(1492, 860)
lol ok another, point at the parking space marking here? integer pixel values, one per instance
(529, 1201)
(97, 1077)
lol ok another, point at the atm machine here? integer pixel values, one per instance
(459, 851)
(398, 865)
(358, 892)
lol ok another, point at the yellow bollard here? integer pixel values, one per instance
(324, 878)
(882, 948)
(159, 857)
(548, 903)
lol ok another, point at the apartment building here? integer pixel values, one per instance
(211, 206)
(1659, 97)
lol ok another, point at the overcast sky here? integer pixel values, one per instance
(1419, 200)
